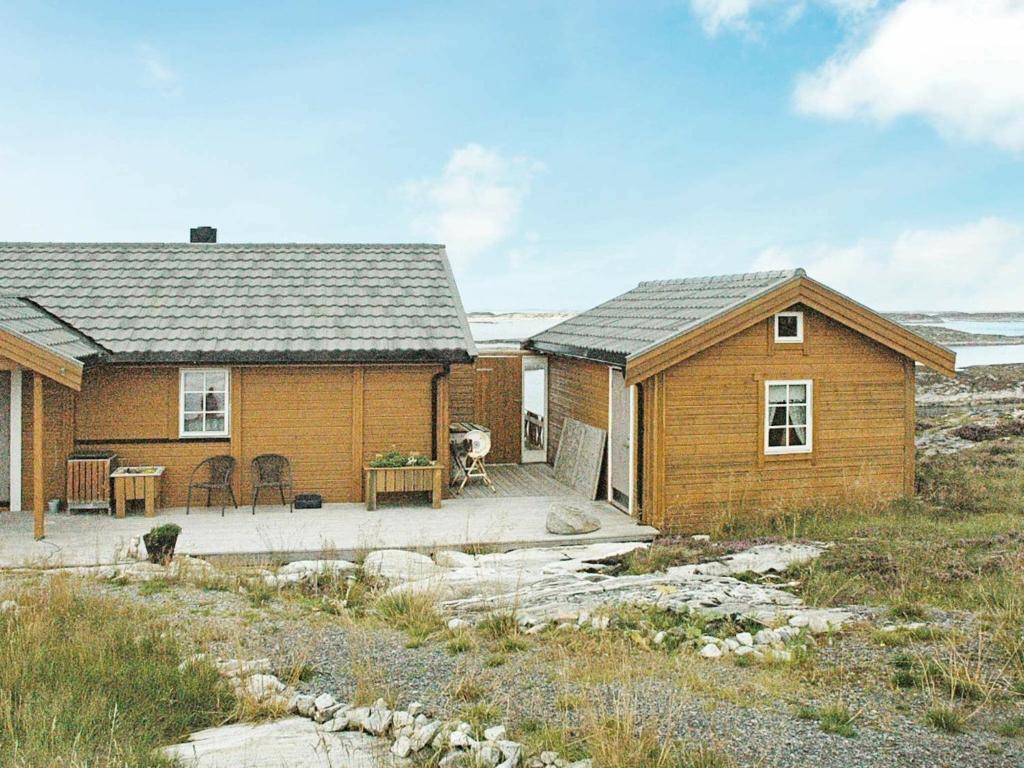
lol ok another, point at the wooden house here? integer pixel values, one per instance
(725, 395)
(168, 353)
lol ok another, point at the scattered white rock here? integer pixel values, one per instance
(396, 566)
(262, 686)
(711, 651)
(495, 733)
(745, 638)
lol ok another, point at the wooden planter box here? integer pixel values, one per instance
(403, 480)
(88, 485)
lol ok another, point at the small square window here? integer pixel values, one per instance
(789, 327)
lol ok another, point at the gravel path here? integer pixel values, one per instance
(720, 703)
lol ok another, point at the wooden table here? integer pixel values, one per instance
(137, 483)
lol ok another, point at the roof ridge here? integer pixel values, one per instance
(182, 244)
(775, 274)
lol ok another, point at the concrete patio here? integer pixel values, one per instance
(342, 530)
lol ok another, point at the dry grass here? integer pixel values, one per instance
(95, 682)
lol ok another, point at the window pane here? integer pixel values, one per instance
(776, 416)
(798, 393)
(215, 422)
(214, 401)
(193, 422)
(193, 382)
(798, 415)
(777, 437)
(798, 436)
(216, 380)
(193, 401)
(776, 393)
(787, 325)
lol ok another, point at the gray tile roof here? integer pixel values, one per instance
(180, 302)
(23, 318)
(652, 313)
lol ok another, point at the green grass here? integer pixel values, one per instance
(461, 642)
(1012, 728)
(94, 682)
(153, 587)
(498, 626)
(945, 718)
(834, 718)
(414, 612)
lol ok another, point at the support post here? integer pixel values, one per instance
(37, 455)
(16, 437)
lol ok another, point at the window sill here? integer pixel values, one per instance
(784, 457)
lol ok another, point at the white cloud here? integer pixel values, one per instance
(474, 205)
(957, 63)
(975, 267)
(156, 69)
(716, 15)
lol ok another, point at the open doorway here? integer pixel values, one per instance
(535, 409)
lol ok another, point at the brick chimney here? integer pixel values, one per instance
(203, 235)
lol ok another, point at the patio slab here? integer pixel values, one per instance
(340, 530)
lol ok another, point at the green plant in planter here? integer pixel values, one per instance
(160, 542)
(395, 458)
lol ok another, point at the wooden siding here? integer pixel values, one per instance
(490, 392)
(328, 420)
(396, 410)
(704, 422)
(577, 389)
(304, 414)
(58, 438)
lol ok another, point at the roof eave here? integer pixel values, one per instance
(247, 357)
(607, 357)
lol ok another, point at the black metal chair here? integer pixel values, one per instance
(215, 475)
(271, 470)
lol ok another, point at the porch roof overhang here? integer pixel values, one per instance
(800, 289)
(32, 338)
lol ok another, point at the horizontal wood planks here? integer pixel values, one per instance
(704, 426)
(577, 389)
(307, 413)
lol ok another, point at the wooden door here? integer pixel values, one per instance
(499, 403)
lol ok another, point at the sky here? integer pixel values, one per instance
(563, 151)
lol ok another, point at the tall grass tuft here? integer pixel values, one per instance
(90, 682)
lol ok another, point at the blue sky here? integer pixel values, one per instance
(563, 151)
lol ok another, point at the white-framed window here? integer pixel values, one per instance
(204, 406)
(788, 418)
(789, 327)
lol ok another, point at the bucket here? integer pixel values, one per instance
(53, 506)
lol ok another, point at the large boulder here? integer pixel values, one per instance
(566, 519)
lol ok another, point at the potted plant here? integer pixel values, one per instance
(160, 542)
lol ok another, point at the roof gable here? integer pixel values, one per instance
(801, 289)
(178, 302)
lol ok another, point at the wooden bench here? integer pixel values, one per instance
(403, 480)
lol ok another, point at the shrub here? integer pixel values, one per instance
(160, 542)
